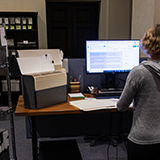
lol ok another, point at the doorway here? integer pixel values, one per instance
(70, 24)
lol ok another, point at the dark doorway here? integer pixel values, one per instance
(70, 24)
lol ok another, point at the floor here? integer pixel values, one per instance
(102, 151)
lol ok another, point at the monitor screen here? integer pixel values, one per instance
(112, 55)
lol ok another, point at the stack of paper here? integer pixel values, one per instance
(94, 104)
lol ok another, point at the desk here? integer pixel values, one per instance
(59, 109)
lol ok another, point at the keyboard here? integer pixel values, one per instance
(109, 93)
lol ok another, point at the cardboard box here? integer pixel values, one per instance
(44, 81)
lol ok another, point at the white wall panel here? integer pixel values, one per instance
(143, 14)
(142, 17)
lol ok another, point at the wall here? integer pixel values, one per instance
(114, 17)
(114, 20)
(30, 6)
(119, 19)
(145, 14)
(142, 18)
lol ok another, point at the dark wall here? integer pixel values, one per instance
(77, 67)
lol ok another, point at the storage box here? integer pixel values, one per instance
(14, 85)
(56, 54)
(44, 81)
(4, 144)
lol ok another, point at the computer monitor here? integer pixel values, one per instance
(112, 55)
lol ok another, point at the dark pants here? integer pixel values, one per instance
(143, 152)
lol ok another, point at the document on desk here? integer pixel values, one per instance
(94, 104)
(76, 95)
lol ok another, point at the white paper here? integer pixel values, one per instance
(29, 20)
(94, 104)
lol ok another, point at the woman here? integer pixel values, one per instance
(143, 88)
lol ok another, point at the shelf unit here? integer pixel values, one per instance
(21, 29)
(9, 109)
(21, 33)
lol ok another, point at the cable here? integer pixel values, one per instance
(119, 79)
(108, 151)
(110, 125)
(121, 129)
(117, 152)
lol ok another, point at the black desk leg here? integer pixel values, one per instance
(34, 138)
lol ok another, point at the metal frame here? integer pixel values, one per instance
(10, 109)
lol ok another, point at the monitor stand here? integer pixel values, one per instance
(109, 81)
(109, 89)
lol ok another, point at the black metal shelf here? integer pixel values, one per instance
(4, 111)
(21, 34)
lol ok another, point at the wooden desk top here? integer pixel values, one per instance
(62, 108)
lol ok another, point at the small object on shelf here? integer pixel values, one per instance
(29, 27)
(6, 21)
(18, 27)
(7, 27)
(12, 21)
(24, 27)
(10, 42)
(18, 20)
(30, 20)
(0, 22)
(12, 27)
(24, 21)
(26, 43)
